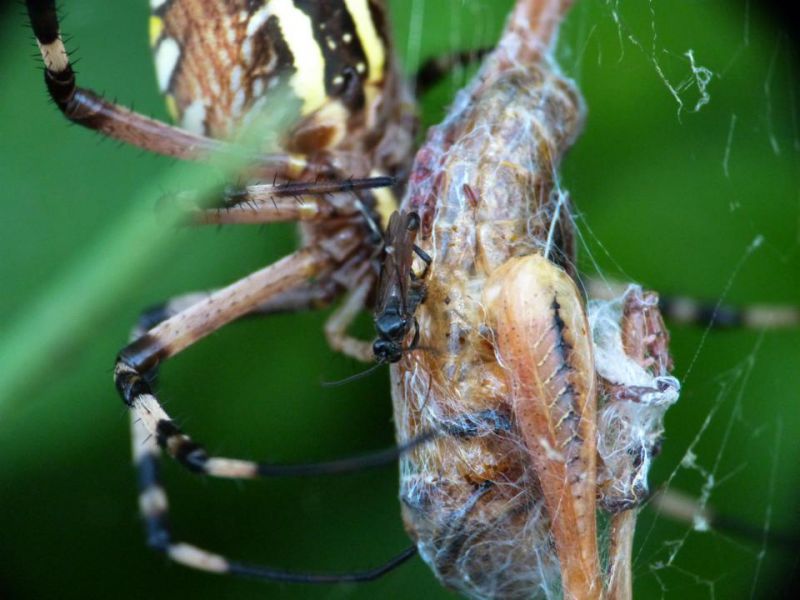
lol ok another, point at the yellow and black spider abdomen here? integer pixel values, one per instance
(216, 62)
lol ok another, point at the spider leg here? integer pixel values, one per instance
(303, 297)
(436, 69)
(156, 340)
(89, 109)
(154, 509)
(690, 311)
(190, 325)
(688, 510)
(293, 201)
(338, 323)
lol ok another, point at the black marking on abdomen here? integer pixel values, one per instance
(562, 345)
(269, 45)
(332, 21)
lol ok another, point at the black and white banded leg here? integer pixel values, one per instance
(154, 508)
(684, 310)
(306, 297)
(89, 109)
(689, 311)
(178, 332)
(436, 69)
(199, 315)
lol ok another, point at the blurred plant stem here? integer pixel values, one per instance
(85, 294)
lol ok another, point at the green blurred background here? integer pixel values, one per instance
(671, 198)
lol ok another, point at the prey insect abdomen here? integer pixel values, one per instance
(484, 185)
(543, 340)
(485, 179)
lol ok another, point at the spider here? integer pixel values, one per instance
(172, 307)
(346, 157)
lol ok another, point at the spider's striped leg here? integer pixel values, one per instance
(688, 510)
(190, 325)
(154, 509)
(294, 201)
(303, 297)
(690, 311)
(89, 109)
(176, 324)
(339, 322)
(436, 69)
(153, 506)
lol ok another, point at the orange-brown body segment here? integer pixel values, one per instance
(543, 341)
(485, 187)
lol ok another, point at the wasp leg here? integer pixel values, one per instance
(154, 509)
(415, 340)
(425, 257)
(89, 109)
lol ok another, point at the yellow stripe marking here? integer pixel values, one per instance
(370, 40)
(308, 81)
(156, 29)
(172, 107)
(385, 201)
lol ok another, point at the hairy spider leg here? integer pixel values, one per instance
(268, 290)
(89, 109)
(300, 298)
(154, 505)
(294, 201)
(195, 322)
(269, 204)
(437, 68)
(685, 310)
(154, 508)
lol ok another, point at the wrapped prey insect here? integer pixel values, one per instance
(505, 359)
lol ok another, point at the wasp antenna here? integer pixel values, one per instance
(353, 378)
